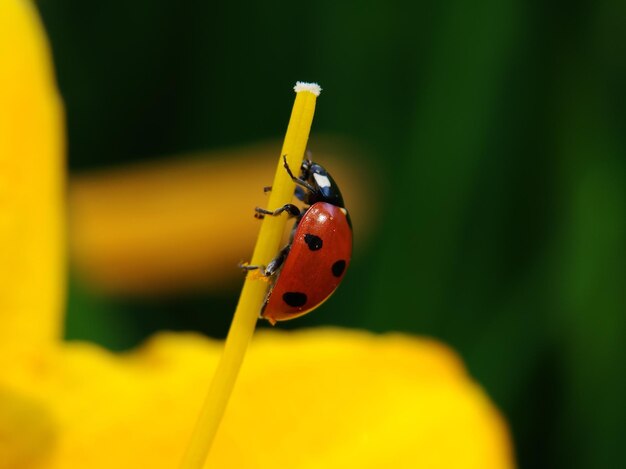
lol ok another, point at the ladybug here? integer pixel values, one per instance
(308, 269)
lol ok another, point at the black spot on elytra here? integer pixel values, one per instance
(295, 299)
(313, 242)
(338, 268)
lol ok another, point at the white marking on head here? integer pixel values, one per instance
(321, 180)
(344, 211)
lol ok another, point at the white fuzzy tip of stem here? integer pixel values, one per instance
(310, 87)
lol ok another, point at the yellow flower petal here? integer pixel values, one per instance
(31, 176)
(27, 431)
(320, 398)
(335, 398)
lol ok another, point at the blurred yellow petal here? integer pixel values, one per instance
(320, 398)
(187, 222)
(27, 431)
(31, 188)
(333, 398)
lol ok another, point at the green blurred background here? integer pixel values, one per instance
(497, 130)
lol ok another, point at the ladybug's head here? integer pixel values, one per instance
(325, 187)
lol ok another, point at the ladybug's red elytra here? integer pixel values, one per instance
(308, 269)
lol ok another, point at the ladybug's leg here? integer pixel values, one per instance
(293, 210)
(275, 263)
(247, 267)
(267, 189)
(272, 267)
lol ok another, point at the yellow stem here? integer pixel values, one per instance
(254, 288)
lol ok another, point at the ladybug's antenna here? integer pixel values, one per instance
(308, 159)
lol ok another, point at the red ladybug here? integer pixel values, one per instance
(309, 269)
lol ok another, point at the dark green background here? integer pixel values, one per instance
(500, 127)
